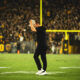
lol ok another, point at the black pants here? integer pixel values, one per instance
(41, 52)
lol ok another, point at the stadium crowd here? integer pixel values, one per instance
(57, 14)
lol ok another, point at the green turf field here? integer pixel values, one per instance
(22, 67)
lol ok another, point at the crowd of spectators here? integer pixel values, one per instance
(57, 14)
(63, 14)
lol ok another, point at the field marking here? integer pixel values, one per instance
(29, 72)
(55, 72)
(70, 67)
(4, 67)
(24, 72)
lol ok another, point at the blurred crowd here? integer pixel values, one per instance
(63, 14)
(57, 14)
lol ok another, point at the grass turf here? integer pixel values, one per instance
(25, 62)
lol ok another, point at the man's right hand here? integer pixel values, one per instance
(32, 25)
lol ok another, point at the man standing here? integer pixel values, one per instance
(41, 46)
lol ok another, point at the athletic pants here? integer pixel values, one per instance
(42, 53)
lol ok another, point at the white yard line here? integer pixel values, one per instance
(55, 72)
(28, 72)
(24, 72)
(69, 67)
(4, 67)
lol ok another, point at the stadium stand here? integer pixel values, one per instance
(60, 14)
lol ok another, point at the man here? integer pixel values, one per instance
(41, 46)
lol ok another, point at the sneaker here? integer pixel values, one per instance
(39, 71)
(43, 73)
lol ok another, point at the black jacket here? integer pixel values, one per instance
(41, 37)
